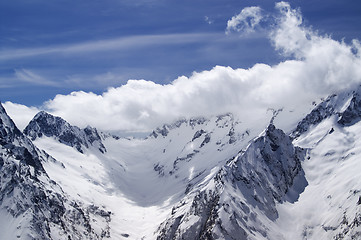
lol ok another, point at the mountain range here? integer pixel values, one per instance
(197, 178)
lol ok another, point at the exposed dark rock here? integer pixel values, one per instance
(207, 139)
(262, 175)
(198, 134)
(352, 114)
(324, 110)
(27, 192)
(48, 125)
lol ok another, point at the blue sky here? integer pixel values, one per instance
(56, 47)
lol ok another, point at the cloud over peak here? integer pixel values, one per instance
(316, 66)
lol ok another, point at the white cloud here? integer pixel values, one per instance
(246, 21)
(290, 36)
(328, 64)
(320, 66)
(20, 114)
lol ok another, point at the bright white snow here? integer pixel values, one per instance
(333, 172)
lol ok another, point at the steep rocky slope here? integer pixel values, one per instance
(235, 203)
(198, 178)
(32, 206)
(45, 124)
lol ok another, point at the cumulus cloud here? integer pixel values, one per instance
(140, 104)
(316, 66)
(320, 66)
(290, 36)
(246, 21)
(328, 64)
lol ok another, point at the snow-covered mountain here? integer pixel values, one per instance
(241, 198)
(44, 124)
(32, 205)
(198, 178)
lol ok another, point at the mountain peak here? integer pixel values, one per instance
(221, 121)
(227, 208)
(352, 113)
(43, 114)
(16, 143)
(45, 124)
(8, 129)
(31, 202)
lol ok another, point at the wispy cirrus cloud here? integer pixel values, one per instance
(321, 66)
(33, 78)
(103, 79)
(122, 43)
(316, 67)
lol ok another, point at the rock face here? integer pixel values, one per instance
(35, 205)
(16, 144)
(190, 141)
(48, 125)
(324, 110)
(215, 178)
(229, 206)
(346, 106)
(352, 114)
(164, 130)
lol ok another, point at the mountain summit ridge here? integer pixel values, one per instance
(32, 205)
(198, 178)
(46, 124)
(268, 165)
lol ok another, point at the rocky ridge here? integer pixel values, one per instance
(34, 202)
(51, 126)
(228, 206)
(219, 178)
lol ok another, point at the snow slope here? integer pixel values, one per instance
(330, 206)
(241, 198)
(198, 178)
(32, 205)
(141, 179)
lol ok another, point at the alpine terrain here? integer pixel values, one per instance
(282, 177)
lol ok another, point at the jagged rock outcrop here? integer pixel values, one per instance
(36, 205)
(164, 130)
(229, 206)
(191, 139)
(322, 111)
(48, 125)
(352, 114)
(217, 179)
(16, 144)
(346, 106)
